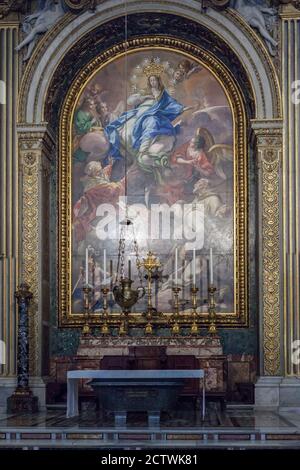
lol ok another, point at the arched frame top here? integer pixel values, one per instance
(237, 318)
(228, 27)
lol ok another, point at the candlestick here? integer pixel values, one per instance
(194, 327)
(105, 328)
(211, 271)
(104, 266)
(176, 266)
(194, 266)
(86, 266)
(176, 326)
(87, 291)
(151, 263)
(212, 330)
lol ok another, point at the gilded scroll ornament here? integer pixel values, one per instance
(269, 145)
(32, 146)
(29, 168)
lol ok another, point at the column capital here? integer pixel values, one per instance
(36, 137)
(23, 293)
(267, 126)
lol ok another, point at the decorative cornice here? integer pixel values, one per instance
(215, 3)
(8, 6)
(75, 6)
(290, 11)
(292, 3)
(78, 6)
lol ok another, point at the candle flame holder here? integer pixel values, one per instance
(212, 330)
(150, 263)
(194, 326)
(87, 293)
(105, 328)
(176, 326)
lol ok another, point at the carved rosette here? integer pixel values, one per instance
(35, 149)
(269, 147)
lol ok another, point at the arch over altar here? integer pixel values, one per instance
(55, 68)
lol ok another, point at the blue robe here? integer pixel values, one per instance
(157, 120)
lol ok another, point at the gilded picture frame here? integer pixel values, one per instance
(238, 317)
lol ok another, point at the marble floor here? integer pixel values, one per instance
(231, 418)
(236, 427)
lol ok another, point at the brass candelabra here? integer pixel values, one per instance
(126, 296)
(87, 292)
(123, 329)
(194, 326)
(150, 263)
(176, 326)
(212, 329)
(104, 327)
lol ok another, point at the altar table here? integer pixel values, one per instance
(75, 375)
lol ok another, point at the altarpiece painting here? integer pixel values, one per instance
(152, 137)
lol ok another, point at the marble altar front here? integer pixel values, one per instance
(181, 352)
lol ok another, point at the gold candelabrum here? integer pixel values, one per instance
(87, 294)
(104, 327)
(176, 327)
(212, 329)
(194, 326)
(150, 263)
(126, 297)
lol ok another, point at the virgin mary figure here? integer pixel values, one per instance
(146, 131)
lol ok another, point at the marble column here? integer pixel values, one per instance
(290, 33)
(9, 205)
(36, 150)
(268, 143)
(23, 399)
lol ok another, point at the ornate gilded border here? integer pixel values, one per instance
(35, 152)
(240, 316)
(269, 156)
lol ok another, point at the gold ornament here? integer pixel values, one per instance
(154, 68)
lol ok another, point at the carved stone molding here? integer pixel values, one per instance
(293, 3)
(215, 3)
(35, 152)
(269, 154)
(8, 6)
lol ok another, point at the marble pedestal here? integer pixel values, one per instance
(281, 393)
(8, 387)
(22, 401)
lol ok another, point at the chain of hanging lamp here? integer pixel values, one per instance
(127, 223)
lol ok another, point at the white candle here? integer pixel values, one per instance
(176, 266)
(86, 265)
(194, 266)
(211, 269)
(104, 266)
